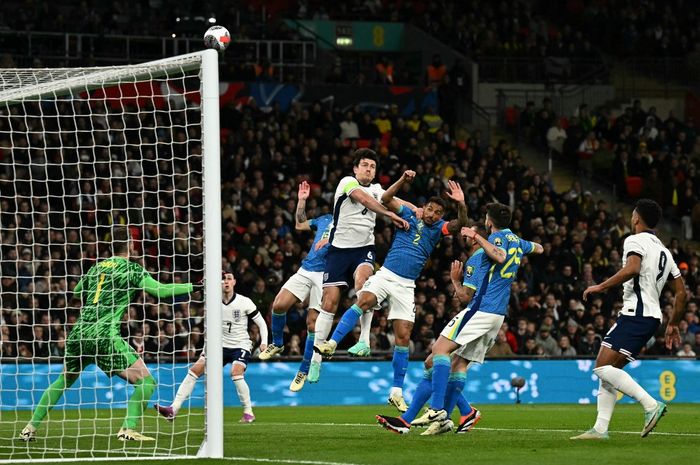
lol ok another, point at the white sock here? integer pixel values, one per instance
(324, 322)
(607, 396)
(316, 357)
(623, 382)
(184, 391)
(365, 326)
(395, 391)
(243, 393)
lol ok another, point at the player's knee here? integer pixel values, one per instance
(428, 364)
(237, 371)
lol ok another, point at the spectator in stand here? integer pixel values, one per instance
(435, 72)
(546, 341)
(686, 351)
(564, 348)
(385, 71)
(501, 348)
(348, 128)
(556, 136)
(589, 344)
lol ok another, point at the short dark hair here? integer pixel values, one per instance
(499, 214)
(649, 211)
(480, 228)
(120, 239)
(364, 153)
(437, 201)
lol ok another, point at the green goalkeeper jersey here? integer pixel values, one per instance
(107, 290)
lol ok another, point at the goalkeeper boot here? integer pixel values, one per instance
(128, 434)
(28, 433)
(168, 412)
(270, 351)
(247, 418)
(467, 422)
(360, 350)
(439, 427)
(652, 417)
(298, 382)
(398, 401)
(394, 424)
(326, 348)
(314, 372)
(591, 434)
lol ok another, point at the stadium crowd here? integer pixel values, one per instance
(637, 151)
(47, 244)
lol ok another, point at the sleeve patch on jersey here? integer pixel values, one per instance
(497, 242)
(469, 271)
(637, 254)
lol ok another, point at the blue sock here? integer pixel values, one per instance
(463, 405)
(308, 353)
(278, 322)
(400, 364)
(420, 397)
(441, 371)
(347, 323)
(455, 385)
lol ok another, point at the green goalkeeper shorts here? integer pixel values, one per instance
(111, 354)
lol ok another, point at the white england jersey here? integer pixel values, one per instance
(353, 224)
(641, 293)
(235, 315)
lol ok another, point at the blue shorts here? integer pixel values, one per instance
(342, 263)
(240, 356)
(630, 334)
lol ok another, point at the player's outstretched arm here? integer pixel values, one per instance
(389, 196)
(496, 254)
(463, 293)
(157, 289)
(630, 270)
(455, 193)
(358, 195)
(673, 335)
(302, 223)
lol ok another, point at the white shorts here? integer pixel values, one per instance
(305, 284)
(475, 332)
(400, 292)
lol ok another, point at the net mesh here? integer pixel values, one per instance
(82, 150)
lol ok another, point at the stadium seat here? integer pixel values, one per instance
(634, 186)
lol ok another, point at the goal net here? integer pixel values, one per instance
(84, 152)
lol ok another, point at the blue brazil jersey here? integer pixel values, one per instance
(476, 267)
(493, 293)
(411, 249)
(316, 259)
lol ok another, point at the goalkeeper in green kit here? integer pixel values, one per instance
(106, 291)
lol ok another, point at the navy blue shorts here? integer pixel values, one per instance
(241, 356)
(342, 263)
(630, 334)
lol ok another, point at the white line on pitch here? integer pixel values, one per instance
(478, 428)
(304, 462)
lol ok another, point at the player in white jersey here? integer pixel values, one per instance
(351, 253)
(237, 347)
(646, 266)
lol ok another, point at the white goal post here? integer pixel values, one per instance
(81, 151)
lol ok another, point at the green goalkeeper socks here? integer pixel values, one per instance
(137, 402)
(49, 398)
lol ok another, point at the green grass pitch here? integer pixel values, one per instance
(507, 434)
